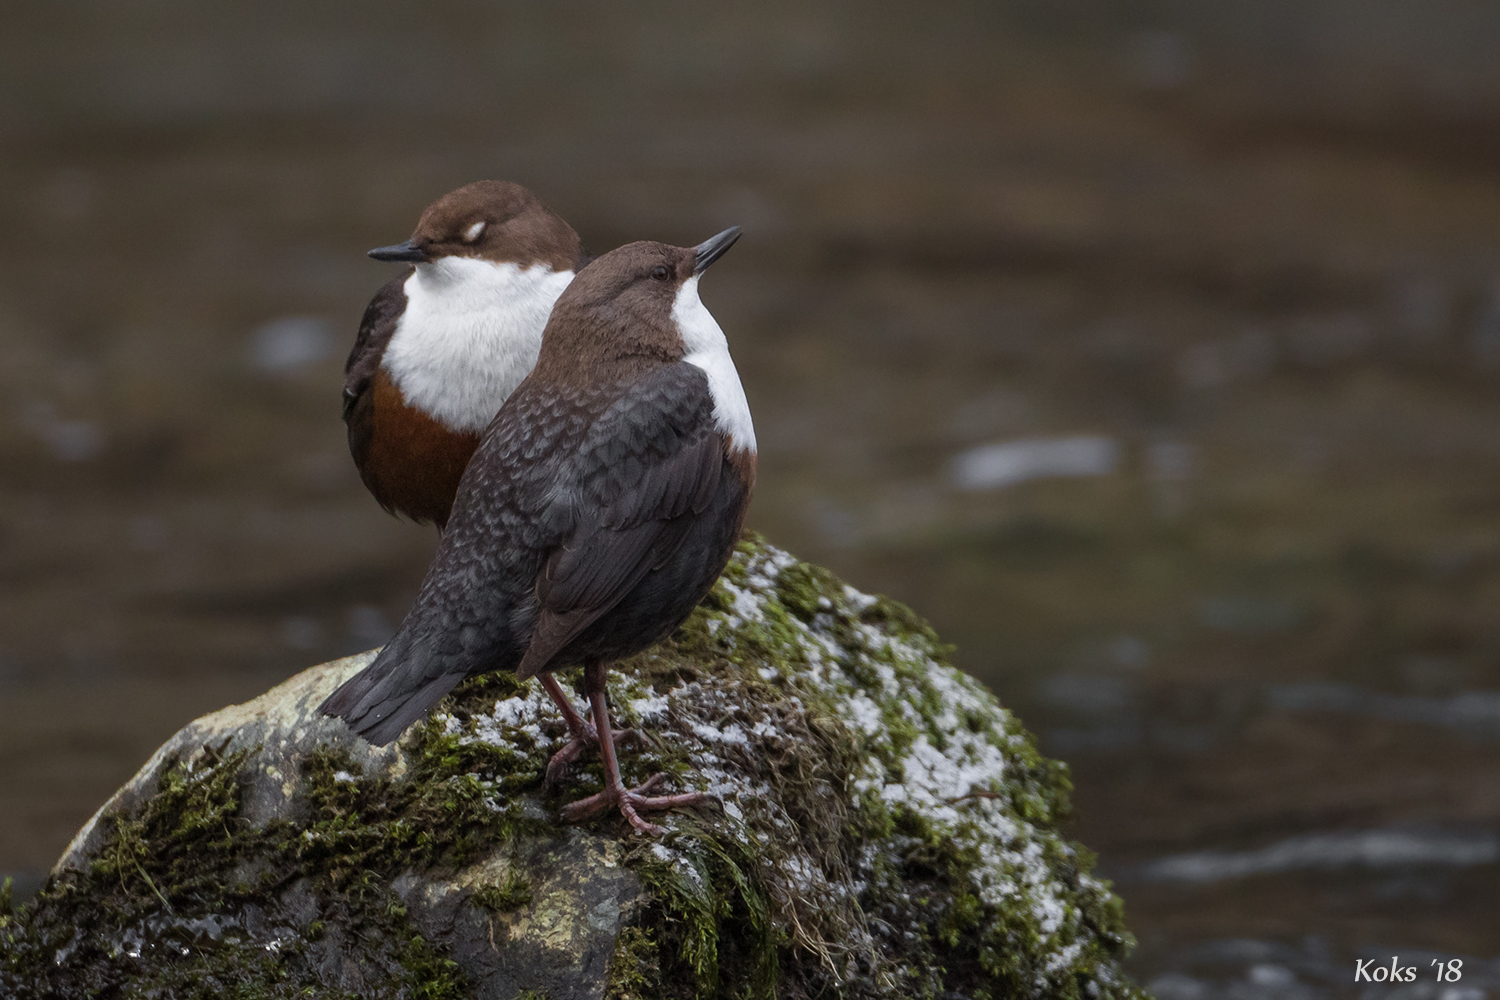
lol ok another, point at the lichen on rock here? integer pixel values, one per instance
(884, 829)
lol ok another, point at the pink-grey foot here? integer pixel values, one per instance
(630, 801)
(585, 736)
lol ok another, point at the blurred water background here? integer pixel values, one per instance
(1150, 349)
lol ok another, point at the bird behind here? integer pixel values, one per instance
(445, 343)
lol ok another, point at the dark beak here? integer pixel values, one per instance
(408, 251)
(713, 248)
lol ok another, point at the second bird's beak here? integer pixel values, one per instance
(713, 248)
(408, 251)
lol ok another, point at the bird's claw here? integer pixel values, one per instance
(631, 802)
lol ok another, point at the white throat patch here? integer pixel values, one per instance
(707, 349)
(470, 333)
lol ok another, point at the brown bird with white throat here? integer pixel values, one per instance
(601, 506)
(444, 344)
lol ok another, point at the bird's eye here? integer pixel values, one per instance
(660, 272)
(474, 232)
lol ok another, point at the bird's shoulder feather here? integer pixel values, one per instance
(624, 500)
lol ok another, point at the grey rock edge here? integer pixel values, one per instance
(559, 947)
(281, 725)
(930, 865)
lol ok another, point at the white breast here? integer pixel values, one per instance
(708, 350)
(468, 336)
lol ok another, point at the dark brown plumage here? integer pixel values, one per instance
(603, 502)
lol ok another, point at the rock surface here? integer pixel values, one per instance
(886, 830)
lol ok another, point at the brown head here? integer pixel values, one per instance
(639, 301)
(491, 220)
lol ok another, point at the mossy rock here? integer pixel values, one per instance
(886, 830)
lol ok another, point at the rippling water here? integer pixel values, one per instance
(1153, 358)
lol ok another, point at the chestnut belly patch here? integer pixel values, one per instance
(409, 461)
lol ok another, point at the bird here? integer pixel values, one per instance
(443, 344)
(603, 502)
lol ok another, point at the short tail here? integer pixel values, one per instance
(399, 688)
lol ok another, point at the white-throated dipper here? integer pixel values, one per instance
(442, 346)
(601, 506)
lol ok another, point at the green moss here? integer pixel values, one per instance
(187, 857)
(745, 550)
(804, 590)
(510, 895)
(923, 879)
(156, 912)
(815, 702)
(708, 921)
(979, 951)
(477, 694)
(634, 971)
(901, 622)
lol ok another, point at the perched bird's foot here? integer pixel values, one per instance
(631, 802)
(588, 739)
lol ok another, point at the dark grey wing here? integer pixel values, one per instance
(475, 609)
(375, 330)
(648, 465)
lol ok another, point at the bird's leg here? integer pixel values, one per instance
(615, 793)
(584, 735)
(560, 698)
